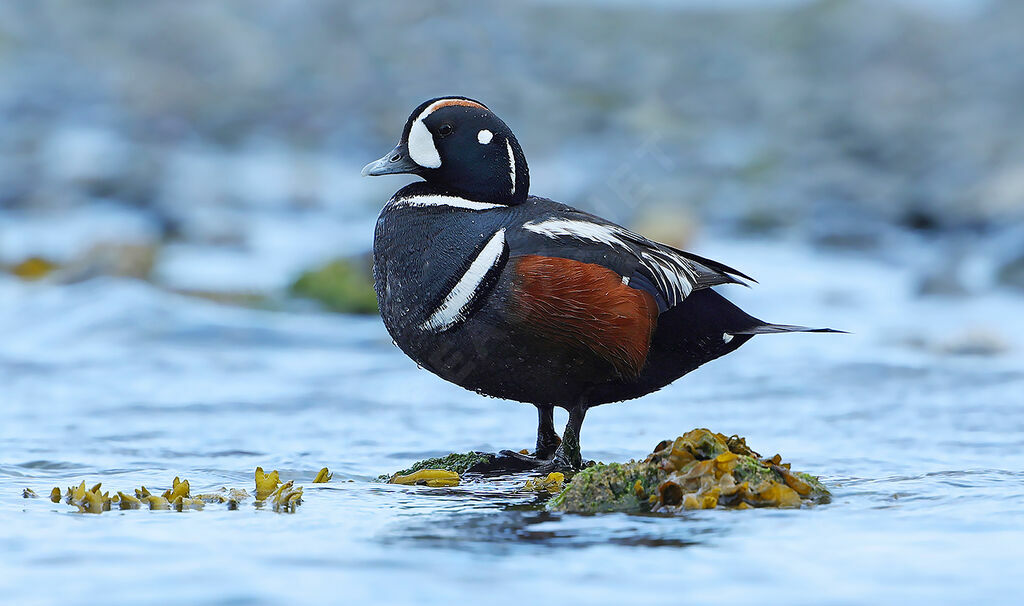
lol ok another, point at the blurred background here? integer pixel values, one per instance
(221, 141)
(181, 215)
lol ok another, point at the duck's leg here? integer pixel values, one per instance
(547, 438)
(547, 444)
(566, 456)
(568, 452)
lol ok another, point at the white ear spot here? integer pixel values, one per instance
(421, 146)
(484, 136)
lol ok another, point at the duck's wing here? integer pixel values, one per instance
(667, 273)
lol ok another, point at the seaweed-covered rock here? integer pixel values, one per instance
(459, 463)
(343, 285)
(698, 470)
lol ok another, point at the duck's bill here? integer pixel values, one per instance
(397, 161)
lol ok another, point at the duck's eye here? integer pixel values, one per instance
(445, 129)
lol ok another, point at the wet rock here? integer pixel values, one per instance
(976, 342)
(698, 470)
(1011, 273)
(127, 260)
(103, 259)
(343, 285)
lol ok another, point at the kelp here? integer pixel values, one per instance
(282, 497)
(33, 268)
(552, 484)
(428, 477)
(698, 470)
(458, 463)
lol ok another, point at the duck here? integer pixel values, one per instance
(522, 298)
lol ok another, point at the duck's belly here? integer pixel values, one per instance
(493, 353)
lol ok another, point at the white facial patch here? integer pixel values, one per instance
(422, 150)
(511, 164)
(453, 309)
(484, 136)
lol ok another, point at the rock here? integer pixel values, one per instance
(343, 285)
(455, 462)
(1011, 273)
(698, 470)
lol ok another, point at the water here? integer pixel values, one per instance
(116, 381)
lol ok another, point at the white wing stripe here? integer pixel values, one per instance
(584, 230)
(445, 201)
(453, 309)
(673, 277)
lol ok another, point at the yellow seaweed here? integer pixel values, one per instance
(323, 477)
(156, 502)
(127, 501)
(33, 268)
(428, 477)
(266, 483)
(179, 488)
(553, 483)
(286, 497)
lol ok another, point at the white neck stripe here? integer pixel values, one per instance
(453, 309)
(451, 201)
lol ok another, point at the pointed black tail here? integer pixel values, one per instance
(770, 329)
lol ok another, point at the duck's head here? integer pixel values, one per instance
(459, 144)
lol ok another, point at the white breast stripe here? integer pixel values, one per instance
(445, 201)
(453, 309)
(511, 164)
(672, 274)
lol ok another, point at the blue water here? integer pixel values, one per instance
(914, 421)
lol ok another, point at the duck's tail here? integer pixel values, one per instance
(770, 329)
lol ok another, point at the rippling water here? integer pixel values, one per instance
(116, 381)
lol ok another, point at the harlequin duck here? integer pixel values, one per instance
(520, 297)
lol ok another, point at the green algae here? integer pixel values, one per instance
(343, 285)
(605, 488)
(698, 470)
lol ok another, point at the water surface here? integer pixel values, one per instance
(914, 421)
